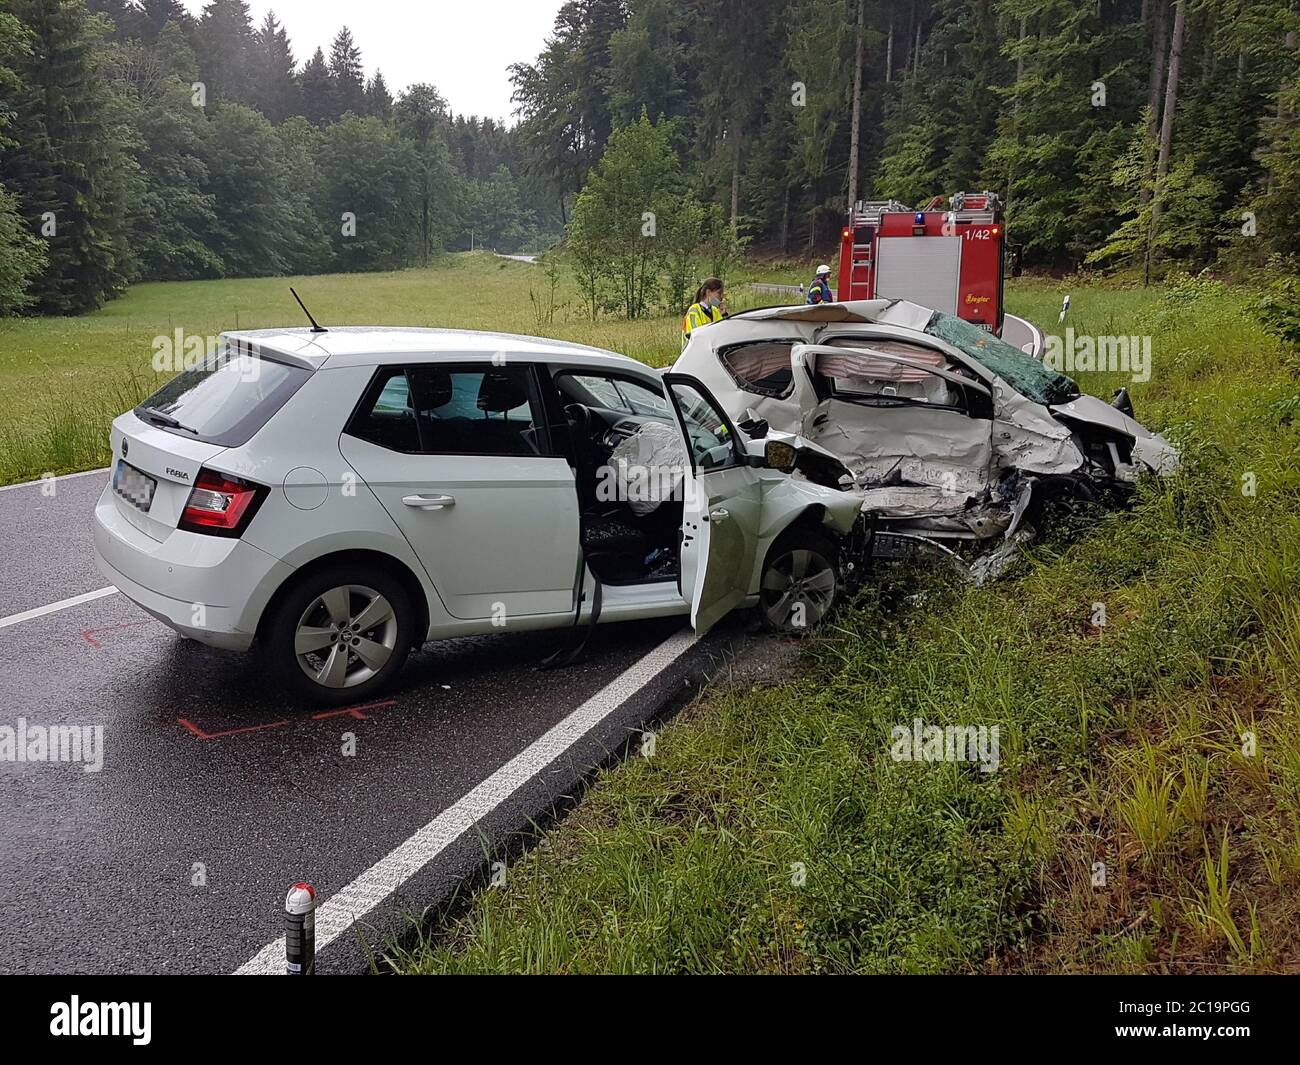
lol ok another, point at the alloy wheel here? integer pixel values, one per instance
(798, 589)
(345, 636)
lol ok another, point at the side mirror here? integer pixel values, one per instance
(778, 455)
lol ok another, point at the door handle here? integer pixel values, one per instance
(429, 502)
(719, 515)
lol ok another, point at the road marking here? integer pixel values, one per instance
(61, 477)
(62, 604)
(353, 902)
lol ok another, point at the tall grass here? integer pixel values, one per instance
(72, 433)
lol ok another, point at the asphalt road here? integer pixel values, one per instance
(215, 794)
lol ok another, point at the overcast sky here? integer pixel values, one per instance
(463, 47)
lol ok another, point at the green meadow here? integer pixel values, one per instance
(63, 380)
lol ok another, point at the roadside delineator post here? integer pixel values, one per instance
(300, 930)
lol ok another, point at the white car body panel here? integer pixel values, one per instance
(216, 587)
(720, 541)
(1026, 437)
(508, 541)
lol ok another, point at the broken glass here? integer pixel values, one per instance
(1022, 372)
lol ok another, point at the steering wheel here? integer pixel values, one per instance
(581, 420)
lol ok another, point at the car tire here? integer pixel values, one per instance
(802, 567)
(341, 634)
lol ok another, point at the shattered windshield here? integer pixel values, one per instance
(1022, 372)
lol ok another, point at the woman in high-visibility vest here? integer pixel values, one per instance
(709, 307)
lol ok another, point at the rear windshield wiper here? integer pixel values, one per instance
(166, 419)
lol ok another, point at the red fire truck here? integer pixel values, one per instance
(951, 259)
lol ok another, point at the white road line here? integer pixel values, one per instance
(61, 477)
(62, 604)
(336, 915)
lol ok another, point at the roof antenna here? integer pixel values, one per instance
(316, 327)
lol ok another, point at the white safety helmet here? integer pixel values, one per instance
(823, 269)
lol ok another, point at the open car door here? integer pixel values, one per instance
(720, 518)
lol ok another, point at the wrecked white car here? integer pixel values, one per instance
(952, 434)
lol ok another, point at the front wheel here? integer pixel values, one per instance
(800, 583)
(341, 634)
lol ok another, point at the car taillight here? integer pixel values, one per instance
(220, 504)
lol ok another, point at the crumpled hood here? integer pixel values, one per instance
(1149, 449)
(1096, 411)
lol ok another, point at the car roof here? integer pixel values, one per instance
(848, 311)
(374, 345)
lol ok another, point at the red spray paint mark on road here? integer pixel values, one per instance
(228, 732)
(88, 634)
(351, 711)
(354, 711)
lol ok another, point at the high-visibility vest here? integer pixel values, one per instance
(698, 314)
(819, 291)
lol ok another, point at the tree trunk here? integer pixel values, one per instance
(856, 121)
(916, 55)
(424, 228)
(1167, 126)
(911, 27)
(889, 56)
(1155, 82)
(1020, 58)
(735, 185)
(1015, 108)
(785, 221)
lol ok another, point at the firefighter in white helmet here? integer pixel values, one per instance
(819, 290)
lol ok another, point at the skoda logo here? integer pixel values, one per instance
(124, 447)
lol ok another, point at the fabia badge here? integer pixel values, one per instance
(124, 447)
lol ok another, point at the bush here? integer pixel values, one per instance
(1279, 310)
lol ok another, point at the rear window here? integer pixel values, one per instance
(440, 410)
(225, 399)
(1022, 372)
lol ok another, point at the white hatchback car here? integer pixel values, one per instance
(342, 496)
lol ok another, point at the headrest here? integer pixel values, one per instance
(501, 391)
(430, 389)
